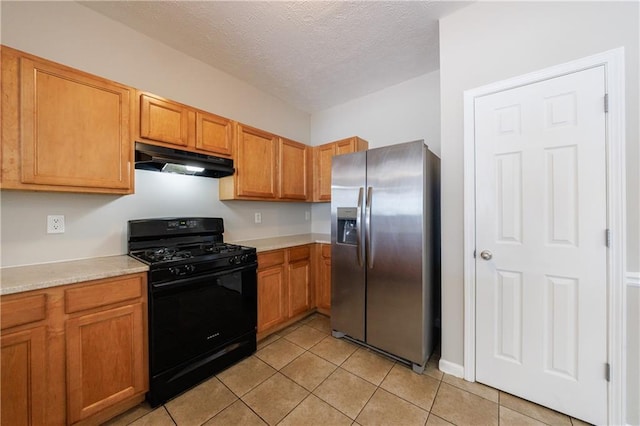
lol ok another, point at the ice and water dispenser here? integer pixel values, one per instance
(347, 229)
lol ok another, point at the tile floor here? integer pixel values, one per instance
(303, 376)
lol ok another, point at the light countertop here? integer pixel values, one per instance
(19, 279)
(276, 243)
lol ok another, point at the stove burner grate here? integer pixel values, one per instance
(166, 253)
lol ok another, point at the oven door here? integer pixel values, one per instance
(197, 316)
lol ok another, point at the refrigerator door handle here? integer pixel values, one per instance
(367, 232)
(359, 225)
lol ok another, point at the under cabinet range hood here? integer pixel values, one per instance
(169, 160)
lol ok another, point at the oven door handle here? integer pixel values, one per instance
(186, 281)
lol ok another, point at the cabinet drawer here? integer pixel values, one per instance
(103, 293)
(23, 310)
(299, 253)
(270, 258)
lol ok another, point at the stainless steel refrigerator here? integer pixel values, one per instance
(385, 256)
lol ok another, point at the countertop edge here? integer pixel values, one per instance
(282, 242)
(21, 279)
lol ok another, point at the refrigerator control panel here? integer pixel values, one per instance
(347, 226)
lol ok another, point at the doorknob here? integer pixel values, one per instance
(486, 255)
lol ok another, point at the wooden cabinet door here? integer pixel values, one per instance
(322, 163)
(214, 133)
(349, 145)
(346, 146)
(163, 121)
(299, 280)
(256, 163)
(23, 382)
(323, 156)
(75, 129)
(294, 170)
(323, 289)
(105, 359)
(271, 297)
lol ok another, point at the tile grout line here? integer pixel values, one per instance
(434, 401)
(374, 392)
(284, 375)
(254, 412)
(313, 319)
(310, 392)
(238, 398)
(325, 379)
(169, 414)
(378, 386)
(472, 393)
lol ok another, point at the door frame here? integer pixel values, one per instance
(613, 62)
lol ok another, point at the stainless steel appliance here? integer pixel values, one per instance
(385, 249)
(202, 300)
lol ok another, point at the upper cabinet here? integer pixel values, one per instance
(256, 163)
(62, 129)
(164, 121)
(69, 131)
(214, 133)
(169, 123)
(294, 171)
(268, 167)
(322, 163)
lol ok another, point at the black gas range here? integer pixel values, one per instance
(202, 300)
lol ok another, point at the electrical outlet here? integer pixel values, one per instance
(55, 224)
(258, 217)
(307, 215)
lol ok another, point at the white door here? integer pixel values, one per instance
(541, 288)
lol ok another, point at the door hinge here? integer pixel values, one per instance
(606, 103)
(607, 372)
(474, 254)
(608, 237)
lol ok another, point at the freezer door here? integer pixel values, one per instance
(348, 175)
(396, 257)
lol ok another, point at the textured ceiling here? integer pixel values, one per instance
(311, 54)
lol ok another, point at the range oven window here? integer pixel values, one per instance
(197, 315)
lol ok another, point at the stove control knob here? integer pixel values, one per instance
(190, 268)
(244, 258)
(174, 271)
(233, 259)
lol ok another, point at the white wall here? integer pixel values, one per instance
(96, 225)
(633, 349)
(405, 112)
(492, 41)
(71, 34)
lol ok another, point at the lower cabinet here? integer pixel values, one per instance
(285, 287)
(323, 278)
(272, 291)
(23, 378)
(105, 359)
(74, 353)
(299, 280)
